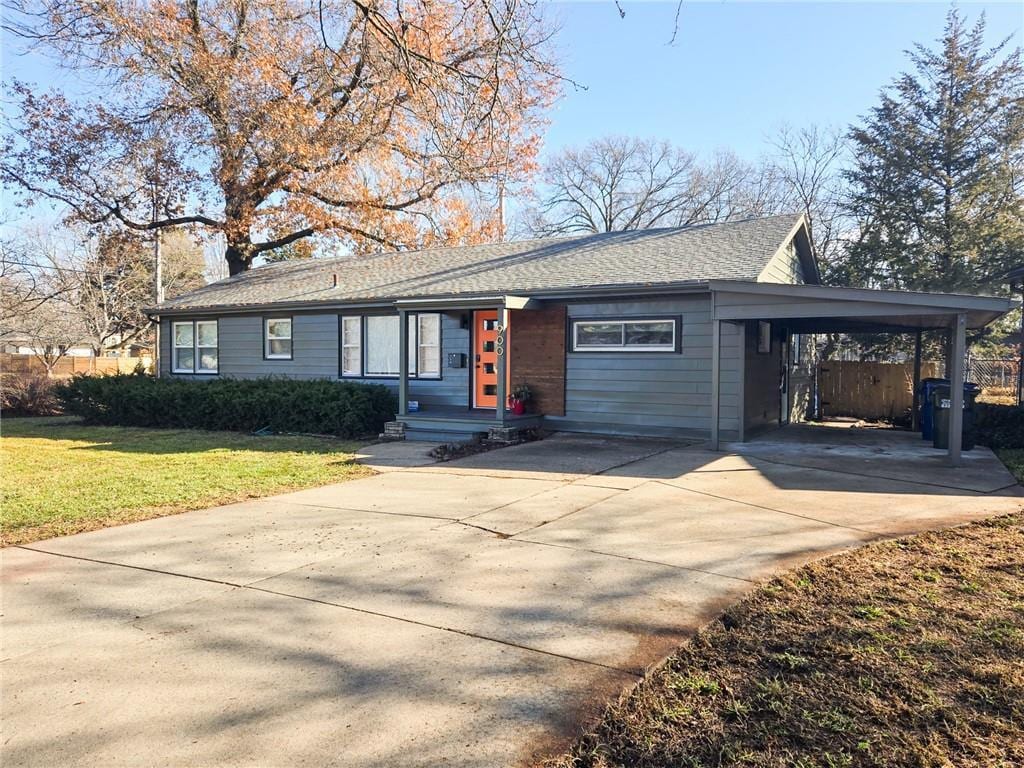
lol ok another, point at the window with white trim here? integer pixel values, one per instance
(370, 345)
(352, 345)
(194, 346)
(428, 346)
(612, 335)
(277, 338)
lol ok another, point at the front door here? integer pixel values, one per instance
(485, 358)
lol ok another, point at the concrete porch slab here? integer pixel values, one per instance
(877, 453)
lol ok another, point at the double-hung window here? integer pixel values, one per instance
(370, 345)
(428, 346)
(614, 335)
(277, 338)
(352, 345)
(194, 346)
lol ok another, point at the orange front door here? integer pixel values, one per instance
(485, 358)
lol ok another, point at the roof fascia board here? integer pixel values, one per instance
(947, 301)
(563, 294)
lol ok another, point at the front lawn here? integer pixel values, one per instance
(902, 653)
(60, 477)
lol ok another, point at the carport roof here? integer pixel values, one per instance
(825, 309)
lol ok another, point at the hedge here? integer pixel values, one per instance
(999, 426)
(321, 406)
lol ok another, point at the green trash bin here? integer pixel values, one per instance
(941, 411)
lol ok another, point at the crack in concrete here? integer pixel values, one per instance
(762, 507)
(250, 586)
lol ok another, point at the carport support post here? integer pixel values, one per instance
(403, 363)
(956, 384)
(716, 365)
(915, 412)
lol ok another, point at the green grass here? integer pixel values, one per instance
(59, 477)
(1013, 458)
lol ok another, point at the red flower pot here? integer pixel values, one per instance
(518, 407)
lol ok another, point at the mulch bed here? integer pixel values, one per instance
(452, 451)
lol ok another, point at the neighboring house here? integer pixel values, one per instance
(650, 332)
(13, 344)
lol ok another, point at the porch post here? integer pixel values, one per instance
(501, 347)
(741, 343)
(915, 416)
(956, 383)
(716, 365)
(403, 363)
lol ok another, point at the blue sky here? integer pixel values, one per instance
(739, 70)
(736, 72)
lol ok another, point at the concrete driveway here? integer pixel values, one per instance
(465, 614)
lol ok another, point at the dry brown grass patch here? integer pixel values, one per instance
(903, 653)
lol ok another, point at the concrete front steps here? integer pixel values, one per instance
(452, 428)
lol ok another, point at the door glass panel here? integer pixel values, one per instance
(490, 390)
(488, 346)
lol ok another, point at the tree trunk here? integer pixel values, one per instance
(238, 257)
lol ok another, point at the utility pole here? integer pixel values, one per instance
(158, 267)
(501, 212)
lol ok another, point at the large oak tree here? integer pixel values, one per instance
(272, 121)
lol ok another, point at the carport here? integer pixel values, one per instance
(808, 309)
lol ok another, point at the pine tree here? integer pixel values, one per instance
(937, 182)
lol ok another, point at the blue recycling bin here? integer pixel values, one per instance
(925, 390)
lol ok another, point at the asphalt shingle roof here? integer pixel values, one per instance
(737, 250)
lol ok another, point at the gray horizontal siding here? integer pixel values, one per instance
(315, 355)
(784, 267)
(662, 394)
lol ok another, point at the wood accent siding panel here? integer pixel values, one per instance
(537, 356)
(652, 393)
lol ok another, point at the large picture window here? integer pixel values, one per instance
(370, 345)
(640, 335)
(277, 338)
(194, 346)
(382, 345)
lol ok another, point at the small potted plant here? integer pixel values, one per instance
(518, 399)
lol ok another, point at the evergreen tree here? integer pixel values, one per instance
(937, 182)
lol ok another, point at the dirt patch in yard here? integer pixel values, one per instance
(902, 653)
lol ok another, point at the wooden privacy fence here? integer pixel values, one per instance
(67, 366)
(869, 390)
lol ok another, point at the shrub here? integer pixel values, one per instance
(999, 426)
(28, 395)
(321, 406)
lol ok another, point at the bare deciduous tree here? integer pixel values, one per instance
(808, 161)
(269, 122)
(620, 183)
